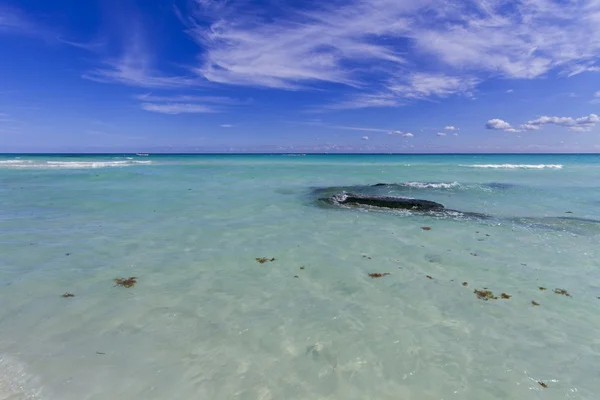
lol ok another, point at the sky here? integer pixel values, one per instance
(408, 76)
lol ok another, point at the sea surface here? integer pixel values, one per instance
(207, 321)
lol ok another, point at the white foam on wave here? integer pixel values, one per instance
(514, 166)
(15, 382)
(430, 185)
(14, 162)
(30, 164)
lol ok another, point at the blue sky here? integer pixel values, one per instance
(335, 76)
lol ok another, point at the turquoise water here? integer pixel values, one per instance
(205, 320)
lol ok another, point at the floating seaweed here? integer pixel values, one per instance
(465, 284)
(426, 228)
(429, 277)
(302, 267)
(67, 254)
(262, 260)
(129, 282)
(534, 303)
(295, 276)
(542, 288)
(474, 254)
(505, 296)
(100, 353)
(365, 256)
(562, 291)
(378, 275)
(485, 294)
(66, 295)
(542, 384)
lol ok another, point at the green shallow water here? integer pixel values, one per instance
(207, 321)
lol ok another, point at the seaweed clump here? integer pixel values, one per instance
(465, 284)
(426, 228)
(126, 282)
(378, 274)
(562, 291)
(428, 276)
(485, 295)
(542, 384)
(534, 303)
(262, 260)
(505, 296)
(66, 295)
(542, 288)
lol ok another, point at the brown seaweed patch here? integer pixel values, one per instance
(66, 295)
(534, 303)
(262, 260)
(465, 284)
(302, 267)
(378, 274)
(542, 288)
(562, 291)
(485, 294)
(428, 276)
(542, 384)
(126, 282)
(505, 296)
(426, 228)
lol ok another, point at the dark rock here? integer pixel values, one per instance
(388, 202)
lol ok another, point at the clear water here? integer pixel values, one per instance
(207, 321)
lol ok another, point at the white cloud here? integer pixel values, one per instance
(364, 100)
(183, 104)
(509, 91)
(177, 108)
(358, 128)
(226, 126)
(455, 134)
(424, 85)
(442, 134)
(450, 128)
(191, 99)
(497, 124)
(368, 44)
(597, 94)
(365, 138)
(135, 67)
(404, 134)
(574, 124)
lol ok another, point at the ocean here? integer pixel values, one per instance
(207, 320)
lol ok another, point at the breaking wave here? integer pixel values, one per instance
(31, 164)
(514, 166)
(431, 185)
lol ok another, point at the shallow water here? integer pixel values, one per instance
(207, 321)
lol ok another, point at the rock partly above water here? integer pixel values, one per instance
(387, 202)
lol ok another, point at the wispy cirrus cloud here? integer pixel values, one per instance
(13, 20)
(177, 108)
(186, 104)
(450, 128)
(470, 41)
